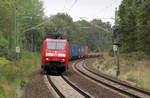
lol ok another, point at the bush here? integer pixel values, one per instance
(135, 55)
(17, 75)
(23, 82)
(3, 61)
(25, 54)
(11, 54)
(2, 92)
(101, 60)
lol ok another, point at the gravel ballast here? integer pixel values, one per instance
(89, 86)
(37, 88)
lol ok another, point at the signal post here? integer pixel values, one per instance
(116, 46)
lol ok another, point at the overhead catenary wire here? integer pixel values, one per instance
(34, 27)
(72, 6)
(65, 6)
(97, 26)
(100, 27)
(106, 7)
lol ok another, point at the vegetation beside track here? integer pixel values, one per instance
(15, 76)
(134, 68)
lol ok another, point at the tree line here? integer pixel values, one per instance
(33, 27)
(134, 23)
(29, 14)
(94, 34)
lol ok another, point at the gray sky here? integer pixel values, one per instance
(83, 8)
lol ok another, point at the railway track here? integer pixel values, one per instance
(111, 83)
(65, 88)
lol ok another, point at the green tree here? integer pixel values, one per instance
(134, 25)
(30, 14)
(143, 24)
(127, 25)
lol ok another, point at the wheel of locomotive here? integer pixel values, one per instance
(43, 71)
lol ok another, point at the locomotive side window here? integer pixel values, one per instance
(55, 45)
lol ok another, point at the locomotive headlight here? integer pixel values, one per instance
(47, 59)
(62, 55)
(49, 54)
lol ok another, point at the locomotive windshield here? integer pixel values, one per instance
(56, 45)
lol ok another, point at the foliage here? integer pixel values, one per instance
(94, 34)
(3, 62)
(62, 23)
(134, 26)
(135, 56)
(101, 60)
(91, 34)
(29, 35)
(111, 52)
(16, 75)
(3, 46)
(31, 16)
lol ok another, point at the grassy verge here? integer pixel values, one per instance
(14, 76)
(134, 67)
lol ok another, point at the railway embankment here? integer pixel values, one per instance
(134, 68)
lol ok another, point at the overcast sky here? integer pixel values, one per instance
(89, 9)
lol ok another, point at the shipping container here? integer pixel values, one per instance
(72, 50)
(82, 50)
(86, 51)
(76, 50)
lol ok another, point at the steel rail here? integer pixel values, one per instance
(76, 88)
(78, 68)
(86, 95)
(118, 81)
(55, 88)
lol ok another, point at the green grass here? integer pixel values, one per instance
(98, 62)
(16, 75)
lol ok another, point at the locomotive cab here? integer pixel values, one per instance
(55, 55)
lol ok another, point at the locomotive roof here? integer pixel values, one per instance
(56, 40)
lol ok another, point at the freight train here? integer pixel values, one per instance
(57, 53)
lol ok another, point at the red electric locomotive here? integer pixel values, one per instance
(55, 55)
